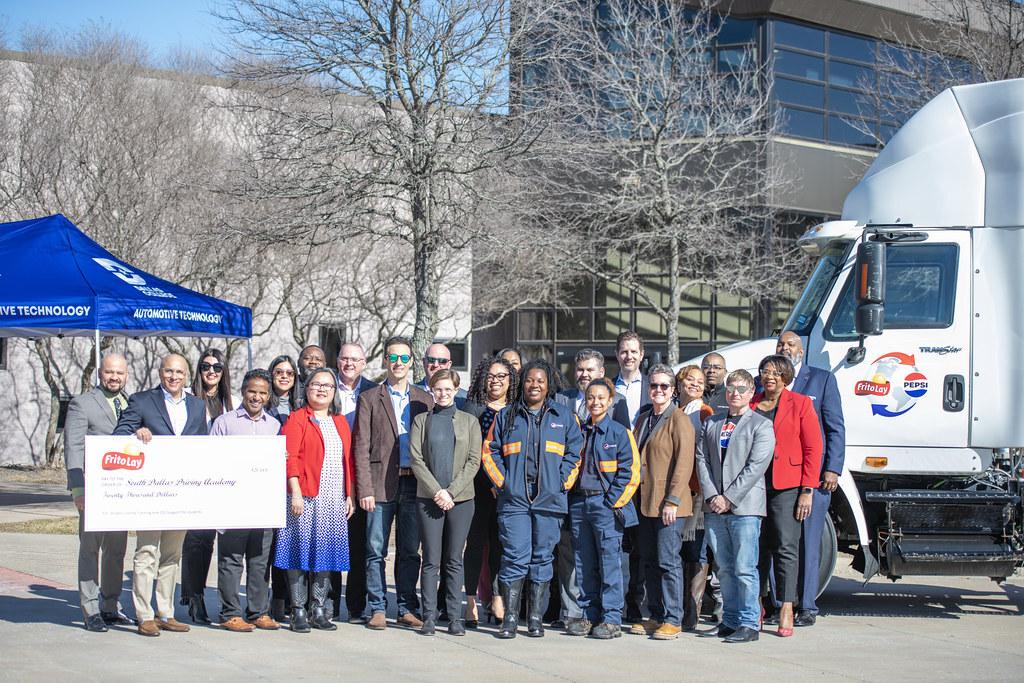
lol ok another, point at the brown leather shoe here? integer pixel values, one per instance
(666, 632)
(644, 628)
(266, 623)
(149, 628)
(173, 625)
(409, 619)
(238, 625)
(377, 622)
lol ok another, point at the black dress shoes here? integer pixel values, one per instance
(744, 634)
(456, 628)
(117, 619)
(95, 623)
(720, 631)
(805, 619)
(197, 610)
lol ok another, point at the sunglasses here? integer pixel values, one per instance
(737, 389)
(206, 367)
(394, 357)
(662, 387)
(432, 360)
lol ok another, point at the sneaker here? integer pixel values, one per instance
(666, 632)
(605, 631)
(377, 622)
(644, 628)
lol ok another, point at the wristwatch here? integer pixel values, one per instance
(806, 489)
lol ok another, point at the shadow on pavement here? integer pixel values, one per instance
(42, 605)
(847, 597)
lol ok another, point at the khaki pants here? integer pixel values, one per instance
(157, 555)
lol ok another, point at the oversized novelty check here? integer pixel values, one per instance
(184, 482)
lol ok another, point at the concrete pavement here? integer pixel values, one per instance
(25, 501)
(946, 629)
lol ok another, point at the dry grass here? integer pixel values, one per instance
(33, 475)
(48, 525)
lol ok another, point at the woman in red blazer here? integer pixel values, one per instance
(792, 476)
(320, 482)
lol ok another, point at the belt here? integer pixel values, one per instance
(405, 471)
(587, 493)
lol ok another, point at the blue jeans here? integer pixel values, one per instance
(597, 540)
(407, 548)
(663, 568)
(734, 540)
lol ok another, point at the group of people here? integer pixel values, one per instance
(639, 491)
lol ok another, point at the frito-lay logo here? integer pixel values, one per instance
(868, 388)
(114, 460)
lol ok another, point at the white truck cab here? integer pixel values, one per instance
(917, 307)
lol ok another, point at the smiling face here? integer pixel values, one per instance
(599, 399)
(444, 392)
(437, 357)
(514, 358)
(692, 386)
(211, 370)
(791, 346)
(173, 374)
(738, 394)
(312, 358)
(351, 363)
(255, 396)
(661, 390)
(587, 371)
(772, 379)
(630, 354)
(320, 390)
(398, 360)
(113, 373)
(535, 388)
(284, 378)
(498, 379)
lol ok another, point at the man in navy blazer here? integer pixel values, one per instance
(820, 385)
(167, 410)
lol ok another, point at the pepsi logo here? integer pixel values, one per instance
(915, 385)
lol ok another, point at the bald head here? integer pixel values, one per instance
(113, 372)
(174, 374)
(791, 346)
(437, 357)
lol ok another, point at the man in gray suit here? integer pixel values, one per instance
(733, 454)
(166, 410)
(99, 577)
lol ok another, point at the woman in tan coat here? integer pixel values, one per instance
(665, 436)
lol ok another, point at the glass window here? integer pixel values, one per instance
(578, 293)
(850, 102)
(805, 313)
(803, 37)
(535, 325)
(573, 324)
(735, 59)
(886, 132)
(799, 92)
(694, 324)
(649, 324)
(737, 31)
(732, 325)
(611, 294)
(851, 75)
(804, 124)
(851, 47)
(608, 324)
(851, 131)
(920, 290)
(796, 64)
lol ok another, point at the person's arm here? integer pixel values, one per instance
(491, 457)
(707, 483)
(417, 438)
(810, 445)
(835, 432)
(76, 424)
(762, 448)
(293, 432)
(683, 445)
(627, 470)
(464, 477)
(361, 451)
(569, 467)
(131, 418)
(347, 463)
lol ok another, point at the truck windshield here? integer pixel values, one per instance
(805, 313)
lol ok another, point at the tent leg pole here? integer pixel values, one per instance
(97, 339)
(248, 343)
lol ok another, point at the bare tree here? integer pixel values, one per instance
(380, 118)
(658, 159)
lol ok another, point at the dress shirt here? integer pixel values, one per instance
(349, 398)
(400, 404)
(631, 390)
(118, 402)
(239, 423)
(177, 410)
(796, 373)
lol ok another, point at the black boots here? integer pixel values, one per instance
(299, 623)
(538, 604)
(511, 595)
(695, 577)
(298, 588)
(320, 617)
(197, 610)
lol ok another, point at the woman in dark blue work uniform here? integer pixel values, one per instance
(600, 508)
(532, 457)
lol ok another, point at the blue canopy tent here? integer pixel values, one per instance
(55, 281)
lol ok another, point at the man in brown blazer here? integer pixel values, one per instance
(385, 483)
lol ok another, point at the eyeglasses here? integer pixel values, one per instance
(737, 389)
(394, 357)
(284, 373)
(206, 367)
(433, 360)
(771, 373)
(660, 387)
(350, 359)
(499, 377)
(321, 386)
(713, 367)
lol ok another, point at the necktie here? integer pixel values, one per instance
(117, 407)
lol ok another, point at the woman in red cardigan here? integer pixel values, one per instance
(320, 484)
(792, 476)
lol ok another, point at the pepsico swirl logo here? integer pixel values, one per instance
(114, 460)
(894, 385)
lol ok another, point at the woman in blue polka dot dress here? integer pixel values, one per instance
(320, 483)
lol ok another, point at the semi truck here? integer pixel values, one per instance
(916, 305)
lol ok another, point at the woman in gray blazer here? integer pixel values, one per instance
(444, 450)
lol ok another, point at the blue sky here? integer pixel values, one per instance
(161, 25)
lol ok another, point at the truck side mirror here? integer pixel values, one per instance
(870, 269)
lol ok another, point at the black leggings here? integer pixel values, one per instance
(483, 532)
(780, 544)
(196, 556)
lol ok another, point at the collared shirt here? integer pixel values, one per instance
(117, 402)
(400, 404)
(631, 390)
(796, 372)
(177, 410)
(240, 423)
(348, 399)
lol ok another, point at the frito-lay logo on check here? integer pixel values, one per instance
(114, 460)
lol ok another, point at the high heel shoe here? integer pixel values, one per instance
(784, 632)
(467, 621)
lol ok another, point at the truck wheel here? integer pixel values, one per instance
(829, 554)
